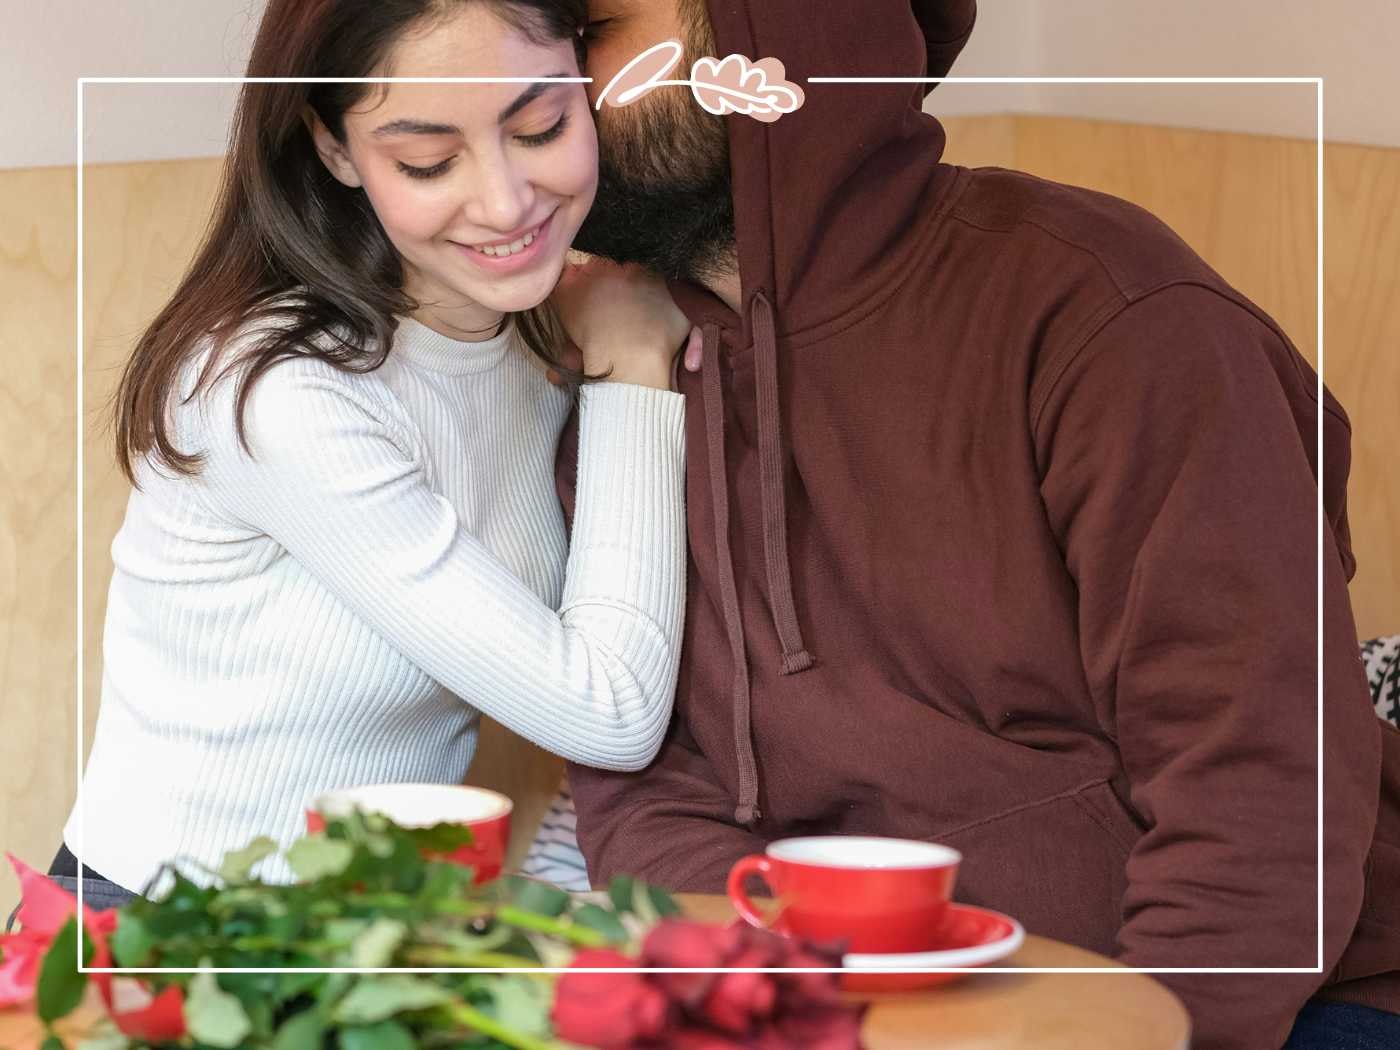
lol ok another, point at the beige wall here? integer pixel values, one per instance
(1245, 202)
(1350, 42)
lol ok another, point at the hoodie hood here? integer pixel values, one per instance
(799, 180)
(824, 201)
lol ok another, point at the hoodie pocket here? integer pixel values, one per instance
(1058, 864)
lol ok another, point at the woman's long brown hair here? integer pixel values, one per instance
(282, 223)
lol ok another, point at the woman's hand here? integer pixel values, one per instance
(622, 318)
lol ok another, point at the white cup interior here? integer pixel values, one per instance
(416, 805)
(863, 852)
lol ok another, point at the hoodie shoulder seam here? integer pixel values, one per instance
(1049, 378)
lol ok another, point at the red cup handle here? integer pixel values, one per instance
(753, 864)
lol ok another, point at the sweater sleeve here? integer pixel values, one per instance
(1178, 479)
(338, 479)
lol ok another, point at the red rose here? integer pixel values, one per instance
(699, 1039)
(45, 908)
(813, 988)
(813, 1028)
(683, 943)
(612, 1011)
(738, 1000)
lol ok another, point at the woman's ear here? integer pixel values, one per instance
(333, 154)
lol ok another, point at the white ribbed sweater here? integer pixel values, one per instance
(337, 609)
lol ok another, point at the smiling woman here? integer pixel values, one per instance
(344, 541)
(455, 175)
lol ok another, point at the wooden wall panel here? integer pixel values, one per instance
(1244, 202)
(980, 142)
(1361, 318)
(38, 499)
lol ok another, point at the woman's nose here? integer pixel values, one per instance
(502, 198)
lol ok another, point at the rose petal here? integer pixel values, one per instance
(609, 1010)
(44, 905)
(19, 971)
(162, 1021)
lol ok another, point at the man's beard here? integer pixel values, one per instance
(664, 194)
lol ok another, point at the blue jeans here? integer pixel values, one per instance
(1324, 1025)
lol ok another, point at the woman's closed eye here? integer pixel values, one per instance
(539, 139)
(424, 173)
(546, 136)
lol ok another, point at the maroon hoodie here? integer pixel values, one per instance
(1003, 532)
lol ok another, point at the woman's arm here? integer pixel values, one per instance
(335, 479)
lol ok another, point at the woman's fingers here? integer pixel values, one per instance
(694, 350)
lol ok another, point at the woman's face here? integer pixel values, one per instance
(480, 187)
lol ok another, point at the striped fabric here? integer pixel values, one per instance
(554, 854)
(1382, 659)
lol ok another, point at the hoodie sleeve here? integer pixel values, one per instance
(671, 824)
(1178, 475)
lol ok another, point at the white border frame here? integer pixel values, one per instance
(83, 81)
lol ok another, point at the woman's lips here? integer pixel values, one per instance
(524, 258)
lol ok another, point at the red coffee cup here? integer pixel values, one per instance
(487, 813)
(880, 895)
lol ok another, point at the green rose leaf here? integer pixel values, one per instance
(375, 947)
(238, 864)
(444, 881)
(540, 898)
(379, 997)
(213, 1016)
(303, 1031)
(317, 857)
(441, 838)
(602, 920)
(651, 903)
(132, 942)
(61, 986)
(388, 1035)
(53, 1042)
(523, 1003)
(620, 892)
(662, 901)
(291, 985)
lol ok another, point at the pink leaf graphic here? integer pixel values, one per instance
(642, 75)
(732, 85)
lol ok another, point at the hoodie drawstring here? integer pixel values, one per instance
(795, 658)
(770, 471)
(747, 810)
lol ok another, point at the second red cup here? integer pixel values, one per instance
(880, 895)
(486, 812)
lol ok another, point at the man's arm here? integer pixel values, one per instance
(1184, 497)
(670, 824)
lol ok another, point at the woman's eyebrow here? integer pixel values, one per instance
(408, 126)
(527, 96)
(404, 126)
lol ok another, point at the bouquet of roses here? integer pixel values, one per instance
(270, 961)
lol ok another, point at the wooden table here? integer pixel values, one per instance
(1045, 1011)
